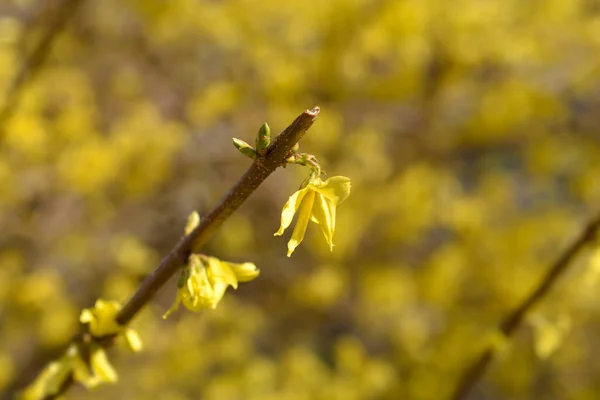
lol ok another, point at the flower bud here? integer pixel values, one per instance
(192, 222)
(263, 139)
(245, 148)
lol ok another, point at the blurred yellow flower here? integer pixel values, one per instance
(71, 364)
(102, 322)
(99, 370)
(204, 282)
(48, 382)
(101, 318)
(315, 202)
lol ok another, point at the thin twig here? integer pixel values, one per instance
(509, 325)
(177, 257)
(32, 63)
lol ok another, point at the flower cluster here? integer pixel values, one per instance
(86, 363)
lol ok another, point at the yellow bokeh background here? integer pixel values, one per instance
(469, 129)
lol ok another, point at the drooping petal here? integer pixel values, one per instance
(290, 208)
(102, 367)
(219, 289)
(49, 381)
(219, 271)
(133, 340)
(336, 188)
(244, 272)
(304, 214)
(81, 371)
(323, 214)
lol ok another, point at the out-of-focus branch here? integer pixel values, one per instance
(32, 63)
(177, 257)
(511, 322)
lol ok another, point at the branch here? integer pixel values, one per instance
(177, 257)
(509, 325)
(34, 61)
(254, 176)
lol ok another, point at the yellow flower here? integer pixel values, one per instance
(48, 382)
(102, 322)
(315, 202)
(99, 370)
(52, 378)
(101, 318)
(204, 282)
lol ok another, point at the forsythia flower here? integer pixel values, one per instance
(204, 281)
(102, 321)
(51, 379)
(315, 202)
(48, 382)
(99, 370)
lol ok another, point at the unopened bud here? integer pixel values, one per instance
(245, 148)
(263, 139)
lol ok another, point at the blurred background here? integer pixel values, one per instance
(470, 132)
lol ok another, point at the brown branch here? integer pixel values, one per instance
(253, 177)
(31, 65)
(177, 257)
(511, 322)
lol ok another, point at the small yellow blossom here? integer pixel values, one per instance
(102, 322)
(52, 378)
(204, 282)
(102, 318)
(316, 202)
(99, 370)
(48, 382)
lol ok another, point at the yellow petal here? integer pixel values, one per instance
(219, 289)
(244, 272)
(197, 294)
(102, 318)
(102, 367)
(323, 213)
(304, 214)
(290, 208)
(81, 371)
(133, 340)
(219, 271)
(48, 382)
(86, 316)
(336, 188)
(201, 283)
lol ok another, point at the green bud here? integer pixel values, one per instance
(245, 148)
(263, 139)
